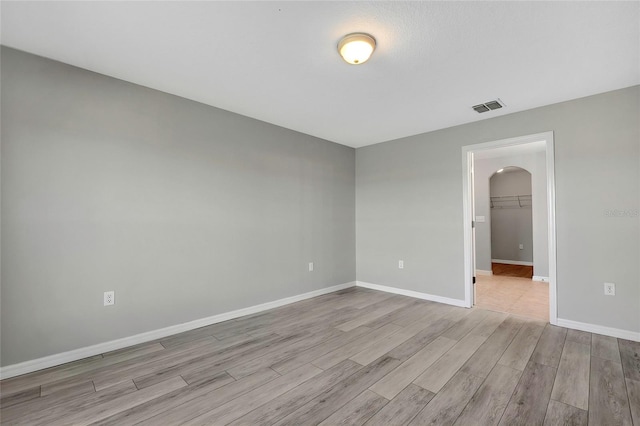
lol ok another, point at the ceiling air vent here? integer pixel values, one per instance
(488, 106)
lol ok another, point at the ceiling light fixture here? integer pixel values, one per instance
(356, 48)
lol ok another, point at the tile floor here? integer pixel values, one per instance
(513, 295)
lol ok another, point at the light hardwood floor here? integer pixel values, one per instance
(353, 357)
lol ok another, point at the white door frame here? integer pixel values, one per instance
(467, 165)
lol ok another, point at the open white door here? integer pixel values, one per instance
(473, 231)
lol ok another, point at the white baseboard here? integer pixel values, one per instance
(541, 279)
(76, 354)
(411, 293)
(600, 329)
(483, 272)
(512, 262)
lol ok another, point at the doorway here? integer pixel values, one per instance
(511, 221)
(509, 233)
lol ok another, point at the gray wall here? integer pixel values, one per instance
(535, 163)
(409, 205)
(511, 227)
(184, 210)
(188, 211)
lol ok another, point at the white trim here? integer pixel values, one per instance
(512, 262)
(467, 202)
(551, 223)
(483, 272)
(76, 354)
(600, 329)
(541, 279)
(468, 214)
(411, 293)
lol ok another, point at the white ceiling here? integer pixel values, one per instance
(277, 61)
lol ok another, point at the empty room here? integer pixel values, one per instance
(320, 213)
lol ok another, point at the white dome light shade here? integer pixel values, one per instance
(356, 48)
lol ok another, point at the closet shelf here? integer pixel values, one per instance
(511, 202)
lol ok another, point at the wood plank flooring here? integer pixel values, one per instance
(521, 271)
(354, 357)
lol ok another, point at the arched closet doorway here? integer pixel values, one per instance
(511, 222)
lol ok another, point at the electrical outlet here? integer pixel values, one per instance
(310, 266)
(109, 298)
(609, 289)
(400, 264)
